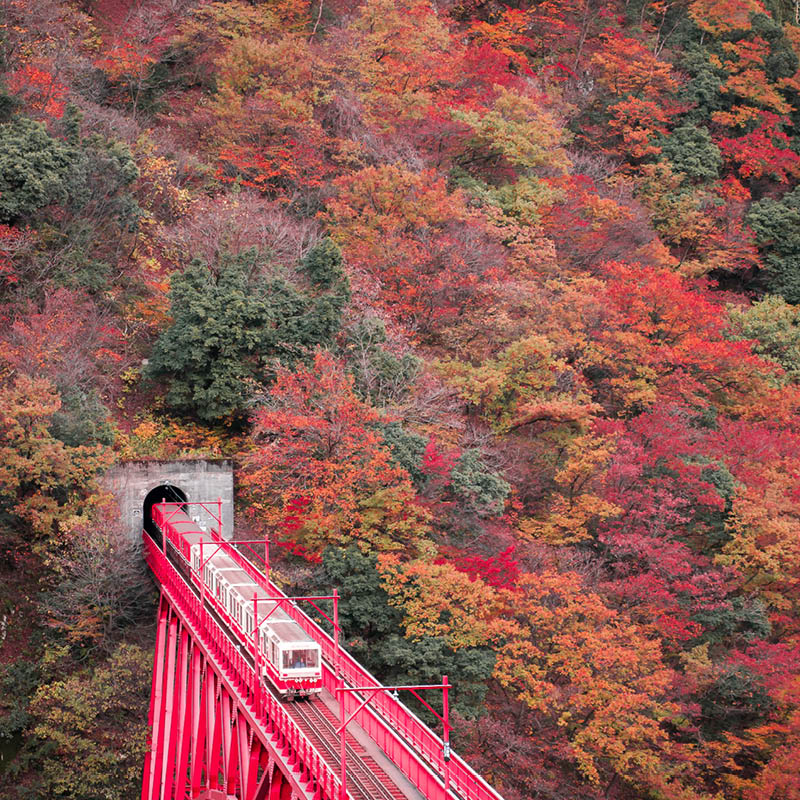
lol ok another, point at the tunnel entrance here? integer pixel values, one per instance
(130, 482)
(168, 492)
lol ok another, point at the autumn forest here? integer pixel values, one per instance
(495, 309)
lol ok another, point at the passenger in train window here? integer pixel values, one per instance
(299, 659)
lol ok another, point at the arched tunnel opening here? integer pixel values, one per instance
(168, 492)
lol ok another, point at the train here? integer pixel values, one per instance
(290, 659)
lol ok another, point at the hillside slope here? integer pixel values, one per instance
(496, 309)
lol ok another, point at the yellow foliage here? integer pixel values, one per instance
(167, 438)
(391, 520)
(522, 130)
(577, 507)
(439, 600)
(764, 526)
(526, 383)
(399, 55)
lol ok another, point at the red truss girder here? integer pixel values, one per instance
(209, 714)
(219, 733)
(204, 745)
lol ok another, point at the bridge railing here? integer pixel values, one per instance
(262, 704)
(402, 735)
(393, 726)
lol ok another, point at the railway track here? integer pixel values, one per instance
(365, 778)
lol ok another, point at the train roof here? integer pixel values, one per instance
(170, 513)
(179, 520)
(246, 591)
(236, 576)
(291, 633)
(275, 614)
(225, 563)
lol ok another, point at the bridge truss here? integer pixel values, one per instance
(218, 733)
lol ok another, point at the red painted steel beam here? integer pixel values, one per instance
(185, 716)
(205, 740)
(169, 738)
(157, 736)
(198, 742)
(161, 624)
(213, 731)
(243, 752)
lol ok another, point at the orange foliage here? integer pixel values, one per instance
(584, 665)
(725, 16)
(40, 90)
(317, 470)
(418, 240)
(43, 482)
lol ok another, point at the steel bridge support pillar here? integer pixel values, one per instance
(202, 745)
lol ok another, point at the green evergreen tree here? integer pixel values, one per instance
(102, 172)
(483, 491)
(214, 345)
(380, 376)
(90, 180)
(229, 322)
(736, 700)
(8, 102)
(692, 152)
(325, 269)
(324, 266)
(774, 325)
(35, 169)
(407, 449)
(776, 224)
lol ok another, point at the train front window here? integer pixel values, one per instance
(300, 659)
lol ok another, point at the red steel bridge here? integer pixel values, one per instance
(217, 732)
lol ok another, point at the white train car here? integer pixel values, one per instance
(290, 658)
